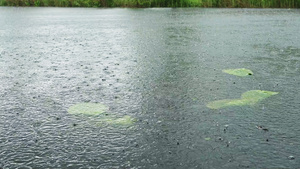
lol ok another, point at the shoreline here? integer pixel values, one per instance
(154, 3)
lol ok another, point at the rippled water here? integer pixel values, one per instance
(160, 66)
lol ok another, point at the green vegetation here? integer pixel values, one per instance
(157, 3)
(96, 110)
(248, 98)
(123, 121)
(238, 72)
(207, 138)
(91, 109)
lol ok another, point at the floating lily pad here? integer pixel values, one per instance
(248, 98)
(238, 72)
(96, 110)
(92, 109)
(207, 138)
(125, 120)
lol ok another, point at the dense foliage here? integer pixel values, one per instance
(157, 3)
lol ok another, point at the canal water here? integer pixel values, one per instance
(161, 67)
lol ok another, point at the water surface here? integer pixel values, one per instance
(160, 66)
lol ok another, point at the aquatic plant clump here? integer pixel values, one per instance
(248, 98)
(238, 72)
(96, 110)
(91, 109)
(125, 121)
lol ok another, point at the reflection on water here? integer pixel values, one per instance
(160, 67)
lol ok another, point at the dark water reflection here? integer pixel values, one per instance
(161, 66)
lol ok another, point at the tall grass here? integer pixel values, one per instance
(157, 3)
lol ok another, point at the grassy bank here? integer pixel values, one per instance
(157, 3)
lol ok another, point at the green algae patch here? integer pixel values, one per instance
(113, 121)
(125, 121)
(257, 95)
(238, 72)
(248, 98)
(94, 114)
(207, 138)
(91, 109)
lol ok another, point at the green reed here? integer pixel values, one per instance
(157, 3)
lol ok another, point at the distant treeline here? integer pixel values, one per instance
(157, 3)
